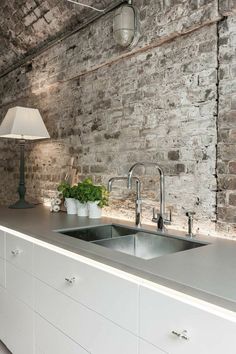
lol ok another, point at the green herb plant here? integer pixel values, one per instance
(88, 192)
(67, 190)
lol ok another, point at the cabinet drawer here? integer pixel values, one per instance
(113, 297)
(161, 314)
(19, 326)
(2, 244)
(19, 252)
(147, 348)
(90, 330)
(2, 315)
(20, 284)
(18, 342)
(2, 272)
(50, 340)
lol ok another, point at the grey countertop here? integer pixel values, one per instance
(208, 273)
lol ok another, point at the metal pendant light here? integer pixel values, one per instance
(126, 25)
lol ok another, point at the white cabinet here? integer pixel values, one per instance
(2, 315)
(147, 348)
(16, 317)
(2, 244)
(89, 329)
(19, 326)
(19, 252)
(2, 260)
(51, 303)
(112, 296)
(161, 315)
(50, 340)
(2, 272)
(20, 284)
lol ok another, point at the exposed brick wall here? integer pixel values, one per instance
(227, 126)
(110, 108)
(27, 24)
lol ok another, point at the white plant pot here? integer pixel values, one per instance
(82, 209)
(95, 212)
(71, 207)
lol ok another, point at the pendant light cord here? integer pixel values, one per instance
(90, 7)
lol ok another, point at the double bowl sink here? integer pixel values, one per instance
(134, 242)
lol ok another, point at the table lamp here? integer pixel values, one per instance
(24, 124)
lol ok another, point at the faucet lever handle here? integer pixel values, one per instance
(168, 218)
(190, 215)
(170, 215)
(154, 214)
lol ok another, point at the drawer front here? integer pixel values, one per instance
(90, 330)
(147, 348)
(19, 252)
(20, 284)
(18, 342)
(113, 297)
(2, 272)
(2, 315)
(161, 314)
(50, 340)
(19, 326)
(2, 244)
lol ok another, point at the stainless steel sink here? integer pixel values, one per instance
(99, 232)
(145, 245)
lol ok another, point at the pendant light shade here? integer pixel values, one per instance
(125, 25)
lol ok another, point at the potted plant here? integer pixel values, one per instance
(69, 193)
(97, 198)
(82, 197)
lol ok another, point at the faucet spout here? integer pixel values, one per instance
(160, 219)
(138, 200)
(162, 182)
(130, 173)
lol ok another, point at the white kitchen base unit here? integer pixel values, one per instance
(53, 301)
(147, 348)
(18, 322)
(181, 327)
(87, 328)
(50, 340)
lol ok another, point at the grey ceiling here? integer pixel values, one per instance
(27, 24)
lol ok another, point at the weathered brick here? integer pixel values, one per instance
(227, 183)
(227, 7)
(232, 167)
(173, 155)
(232, 199)
(227, 214)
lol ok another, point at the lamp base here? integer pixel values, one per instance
(21, 204)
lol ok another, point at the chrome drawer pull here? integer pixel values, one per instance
(181, 335)
(70, 280)
(15, 252)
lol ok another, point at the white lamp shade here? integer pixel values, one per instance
(23, 123)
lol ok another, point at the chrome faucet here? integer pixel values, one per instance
(138, 200)
(160, 219)
(190, 215)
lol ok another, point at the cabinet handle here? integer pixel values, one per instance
(15, 252)
(70, 280)
(182, 335)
